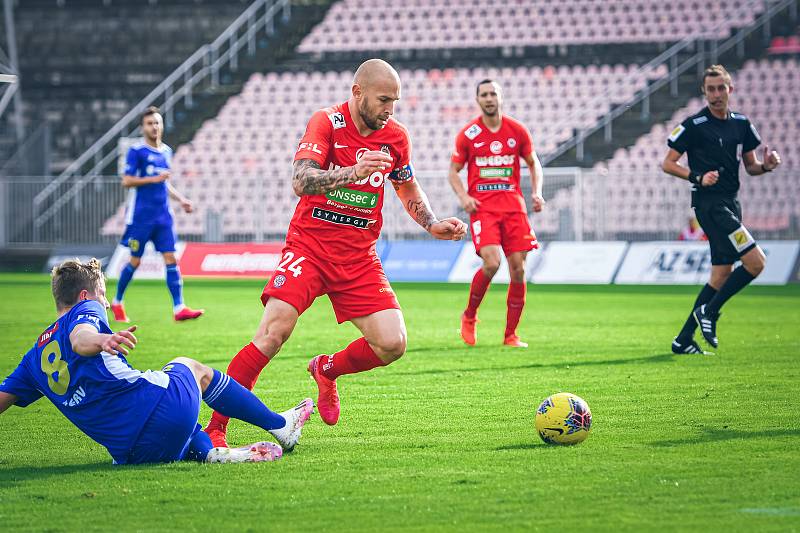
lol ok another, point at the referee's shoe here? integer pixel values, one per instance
(680, 347)
(708, 324)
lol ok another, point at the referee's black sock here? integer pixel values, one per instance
(705, 296)
(738, 280)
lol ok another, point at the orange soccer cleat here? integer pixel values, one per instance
(513, 340)
(119, 313)
(217, 433)
(468, 329)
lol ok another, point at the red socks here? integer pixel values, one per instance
(515, 302)
(245, 367)
(476, 293)
(357, 357)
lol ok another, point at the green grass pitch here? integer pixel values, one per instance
(444, 438)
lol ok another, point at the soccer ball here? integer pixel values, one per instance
(563, 418)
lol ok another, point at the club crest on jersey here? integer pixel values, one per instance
(511, 142)
(385, 149)
(337, 119)
(47, 335)
(473, 131)
(278, 281)
(496, 147)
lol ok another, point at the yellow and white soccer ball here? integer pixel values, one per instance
(563, 418)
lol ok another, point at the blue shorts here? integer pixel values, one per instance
(137, 235)
(166, 435)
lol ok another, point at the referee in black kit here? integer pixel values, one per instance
(716, 140)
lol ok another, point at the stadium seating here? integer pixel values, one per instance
(427, 24)
(249, 144)
(84, 64)
(766, 92)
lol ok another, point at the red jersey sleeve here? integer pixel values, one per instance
(525, 142)
(461, 151)
(316, 142)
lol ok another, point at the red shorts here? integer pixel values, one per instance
(512, 231)
(355, 289)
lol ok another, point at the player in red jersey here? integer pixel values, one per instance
(491, 146)
(347, 153)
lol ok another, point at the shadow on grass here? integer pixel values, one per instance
(717, 435)
(10, 476)
(655, 358)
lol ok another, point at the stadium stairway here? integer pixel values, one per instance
(269, 53)
(633, 124)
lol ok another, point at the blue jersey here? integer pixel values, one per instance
(148, 204)
(101, 394)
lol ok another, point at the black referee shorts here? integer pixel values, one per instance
(721, 220)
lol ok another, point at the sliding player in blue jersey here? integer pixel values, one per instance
(79, 364)
(148, 215)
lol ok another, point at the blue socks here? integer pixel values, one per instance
(175, 286)
(199, 446)
(233, 400)
(125, 277)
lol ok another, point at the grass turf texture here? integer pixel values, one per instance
(444, 438)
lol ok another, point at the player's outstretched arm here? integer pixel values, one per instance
(309, 178)
(88, 342)
(186, 204)
(756, 167)
(468, 203)
(671, 166)
(417, 206)
(6, 400)
(537, 180)
(133, 181)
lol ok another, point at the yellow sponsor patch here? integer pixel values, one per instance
(741, 238)
(133, 244)
(676, 133)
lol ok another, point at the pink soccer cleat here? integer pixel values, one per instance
(188, 314)
(255, 453)
(328, 399)
(296, 417)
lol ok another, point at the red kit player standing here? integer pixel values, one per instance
(491, 146)
(341, 164)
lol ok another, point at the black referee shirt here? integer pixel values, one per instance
(714, 144)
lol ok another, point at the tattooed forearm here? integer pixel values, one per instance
(420, 212)
(308, 178)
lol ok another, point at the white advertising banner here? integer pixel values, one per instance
(152, 266)
(668, 262)
(579, 262)
(468, 262)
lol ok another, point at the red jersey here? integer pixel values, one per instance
(344, 224)
(492, 159)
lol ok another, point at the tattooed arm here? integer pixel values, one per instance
(416, 203)
(309, 178)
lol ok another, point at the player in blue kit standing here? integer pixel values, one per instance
(79, 364)
(148, 215)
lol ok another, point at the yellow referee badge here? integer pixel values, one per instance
(676, 133)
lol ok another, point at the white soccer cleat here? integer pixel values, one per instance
(255, 453)
(296, 418)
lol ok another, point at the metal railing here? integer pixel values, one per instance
(203, 66)
(706, 49)
(582, 205)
